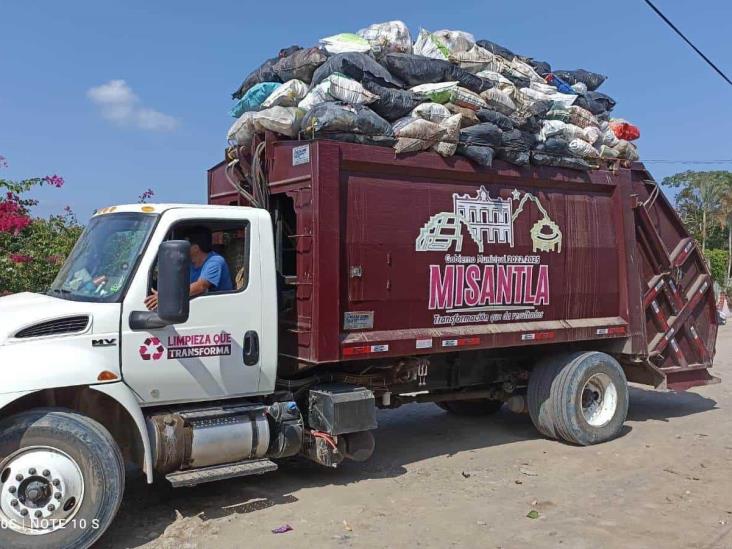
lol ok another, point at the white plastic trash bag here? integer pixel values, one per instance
(525, 70)
(449, 141)
(242, 130)
(317, 95)
(594, 135)
(467, 99)
(440, 44)
(571, 132)
(551, 128)
(389, 37)
(468, 116)
(560, 99)
(498, 101)
(609, 138)
(583, 149)
(475, 59)
(434, 112)
(500, 82)
(440, 92)
(345, 42)
(348, 90)
(416, 134)
(288, 94)
(284, 120)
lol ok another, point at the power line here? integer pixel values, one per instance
(681, 34)
(727, 161)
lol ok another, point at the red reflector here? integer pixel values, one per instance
(365, 350)
(537, 336)
(461, 342)
(612, 330)
(350, 351)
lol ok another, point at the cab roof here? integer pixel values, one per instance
(160, 208)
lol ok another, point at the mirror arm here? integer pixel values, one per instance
(146, 320)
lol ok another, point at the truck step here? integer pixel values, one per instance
(220, 472)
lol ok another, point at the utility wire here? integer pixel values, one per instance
(681, 34)
(728, 161)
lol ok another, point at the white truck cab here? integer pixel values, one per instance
(97, 380)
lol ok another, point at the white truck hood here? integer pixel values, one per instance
(56, 359)
(19, 311)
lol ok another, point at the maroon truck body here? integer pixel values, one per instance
(417, 255)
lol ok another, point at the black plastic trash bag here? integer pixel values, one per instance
(265, 73)
(592, 80)
(340, 118)
(417, 69)
(607, 101)
(589, 104)
(481, 155)
(299, 65)
(380, 140)
(486, 134)
(555, 145)
(515, 147)
(528, 118)
(572, 162)
(542, 68)
(496, 49)
(284, 52)
(495, 117)
(355, 65)
(392, 103)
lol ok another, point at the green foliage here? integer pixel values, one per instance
(700, 204)
(717, 260)
(30, 259)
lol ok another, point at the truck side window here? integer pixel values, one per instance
(232, 243)
(230, 240)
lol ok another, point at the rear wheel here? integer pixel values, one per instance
(581, 398)
(61, 480)
(474, 407)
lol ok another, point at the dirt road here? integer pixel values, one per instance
(442, 481)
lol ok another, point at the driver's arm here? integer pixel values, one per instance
(198, 287)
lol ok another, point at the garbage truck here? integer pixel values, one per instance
(360, 281)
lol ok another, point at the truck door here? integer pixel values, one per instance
(217, 353)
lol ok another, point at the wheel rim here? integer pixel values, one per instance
(42, 488)
(599, 400)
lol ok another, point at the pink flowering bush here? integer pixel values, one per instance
(32, 249)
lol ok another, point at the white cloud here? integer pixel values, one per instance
(119, 104)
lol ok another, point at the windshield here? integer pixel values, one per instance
(104, 257)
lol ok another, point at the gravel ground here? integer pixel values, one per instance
(443, 481)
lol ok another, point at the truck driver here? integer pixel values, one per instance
(209, 271)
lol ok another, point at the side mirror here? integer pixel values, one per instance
(174, 281)
(174, 288)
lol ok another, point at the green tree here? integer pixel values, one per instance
(724, 217)
(718, 261)
(699, 199)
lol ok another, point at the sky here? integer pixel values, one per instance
(121, 97)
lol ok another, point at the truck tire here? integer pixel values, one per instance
(581, 398)
(57, 468)
(473, 407)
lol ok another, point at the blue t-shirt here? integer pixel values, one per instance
(215, 271)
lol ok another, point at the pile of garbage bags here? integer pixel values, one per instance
(445, 92)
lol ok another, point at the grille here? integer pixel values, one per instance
(68, 325)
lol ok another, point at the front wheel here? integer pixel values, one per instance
(581, 398)
(61, 480)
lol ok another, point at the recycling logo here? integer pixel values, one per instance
(151, 349)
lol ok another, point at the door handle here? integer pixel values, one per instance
(251, 348)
